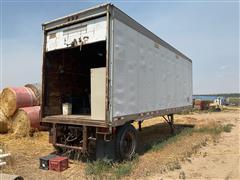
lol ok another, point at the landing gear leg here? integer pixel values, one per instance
(140, 125)
(170, 120)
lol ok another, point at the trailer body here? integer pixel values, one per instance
(112, 69)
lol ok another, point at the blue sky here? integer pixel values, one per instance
(207, 32)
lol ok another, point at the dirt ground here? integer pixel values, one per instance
(214, 159)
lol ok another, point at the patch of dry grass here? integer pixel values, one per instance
(106, 169)
(25, 154)
(166, 155)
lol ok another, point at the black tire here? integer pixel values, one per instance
(126, 142)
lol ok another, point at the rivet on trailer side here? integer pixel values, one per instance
(112, 71)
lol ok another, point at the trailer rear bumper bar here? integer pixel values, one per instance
(69, 147)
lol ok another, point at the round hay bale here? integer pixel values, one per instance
(37, 89)
(0, 97)
(3, 123)
(14, 98)
(26, 120)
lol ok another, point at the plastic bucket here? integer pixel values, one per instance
(67, 108)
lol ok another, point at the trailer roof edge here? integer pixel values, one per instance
(76, 13)
(122, 16)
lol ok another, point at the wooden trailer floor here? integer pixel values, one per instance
(75, 119)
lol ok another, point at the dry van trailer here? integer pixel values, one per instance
(112, 71)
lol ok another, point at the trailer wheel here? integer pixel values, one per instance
(126, 142)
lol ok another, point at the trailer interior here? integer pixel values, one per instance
(68, 78)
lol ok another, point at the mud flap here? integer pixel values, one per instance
(105, 149)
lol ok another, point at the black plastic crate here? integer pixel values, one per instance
(44, 161)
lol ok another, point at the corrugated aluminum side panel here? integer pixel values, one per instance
(145, 75)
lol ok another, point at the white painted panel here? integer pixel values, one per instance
(89, 32)
(146, 76)
(98, 93)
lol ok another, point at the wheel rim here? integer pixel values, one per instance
(127, 144)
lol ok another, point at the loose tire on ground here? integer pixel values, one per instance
(126, 142)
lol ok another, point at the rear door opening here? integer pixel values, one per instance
(68, 79)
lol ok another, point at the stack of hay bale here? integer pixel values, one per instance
(20, 110)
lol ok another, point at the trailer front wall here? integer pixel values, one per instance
(146, 76)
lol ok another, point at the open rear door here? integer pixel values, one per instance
(98, 93)
(74, 73)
